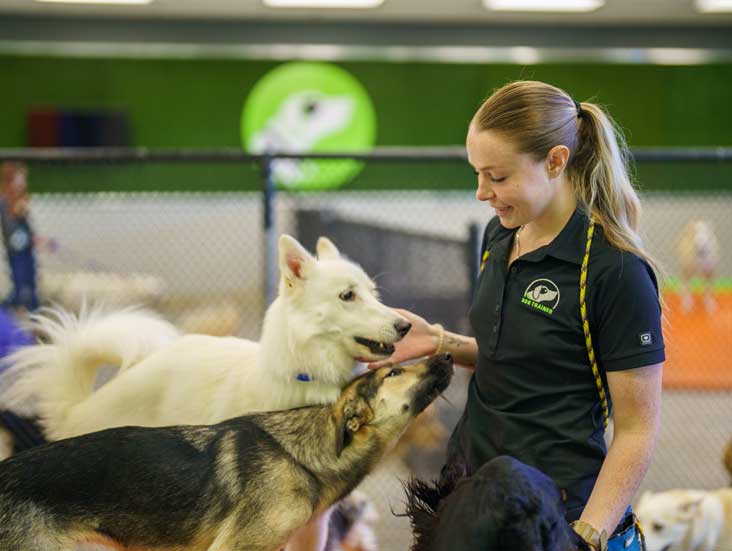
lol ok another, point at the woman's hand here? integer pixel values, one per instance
(421, 341)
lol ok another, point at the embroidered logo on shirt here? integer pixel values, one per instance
(645, 338)
(542, 294)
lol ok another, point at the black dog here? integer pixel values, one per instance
(505, 506)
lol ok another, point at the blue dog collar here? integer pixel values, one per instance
(304, 377)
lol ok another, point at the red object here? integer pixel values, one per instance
(44, 128)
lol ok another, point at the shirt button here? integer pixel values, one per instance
(514, 269)
(495, 329)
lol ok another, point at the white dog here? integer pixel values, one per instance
(326, 318)
(687, 520)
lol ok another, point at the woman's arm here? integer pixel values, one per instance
(636, 396)
(426, 339)
(464, 349)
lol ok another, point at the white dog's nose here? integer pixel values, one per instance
(402, 327)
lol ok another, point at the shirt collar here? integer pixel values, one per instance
(571, 242)
(569, 245)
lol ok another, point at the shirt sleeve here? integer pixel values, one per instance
(627, 315)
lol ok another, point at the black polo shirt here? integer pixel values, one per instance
(533, 395)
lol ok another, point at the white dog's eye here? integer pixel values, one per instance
(347, 295)
(657, 527)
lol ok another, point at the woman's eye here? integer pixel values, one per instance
(347, 295)
(497, 180)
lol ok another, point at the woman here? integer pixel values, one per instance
(555, 172)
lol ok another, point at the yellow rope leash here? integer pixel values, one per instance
(486, 254)
(586, 324)
(591, 351)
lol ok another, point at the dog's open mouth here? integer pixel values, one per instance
(375, 347)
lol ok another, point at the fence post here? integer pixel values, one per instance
(473, 257)
(270, 231)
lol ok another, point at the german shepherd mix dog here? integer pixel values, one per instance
(242, 485)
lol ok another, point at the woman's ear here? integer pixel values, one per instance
(556, 160)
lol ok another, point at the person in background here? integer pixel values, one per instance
(18, 236)
(566, 312)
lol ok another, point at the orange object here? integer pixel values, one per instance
(698, 345)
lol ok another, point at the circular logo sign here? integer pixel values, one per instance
(303, 107)
(544, 292)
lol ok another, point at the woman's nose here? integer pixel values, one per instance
(484, 192)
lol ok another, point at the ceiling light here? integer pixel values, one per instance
(128, 2)
(359, 4)
(711, 6)
(544, 5)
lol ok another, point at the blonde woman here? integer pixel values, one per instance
(556, 174)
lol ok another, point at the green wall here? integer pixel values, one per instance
(197, 103)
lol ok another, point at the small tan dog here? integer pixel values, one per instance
(698, 254)
(688, 520)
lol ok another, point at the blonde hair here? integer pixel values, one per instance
(537, 116)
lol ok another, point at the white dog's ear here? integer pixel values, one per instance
(326, 249)
(295, 261)
(688, 508)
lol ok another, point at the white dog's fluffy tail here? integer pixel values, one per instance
(50, 378)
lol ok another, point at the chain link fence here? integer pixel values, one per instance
(199, 249)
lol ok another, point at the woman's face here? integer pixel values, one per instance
(516, 185)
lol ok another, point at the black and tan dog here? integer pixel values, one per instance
(244, 484)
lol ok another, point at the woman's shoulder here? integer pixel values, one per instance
(611, 263)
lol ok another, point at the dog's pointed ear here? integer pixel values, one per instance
(343, 437)
(353, 415)
(295, 261)
(326, 249)
(688, 508)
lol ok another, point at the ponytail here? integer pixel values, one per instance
(600, 172)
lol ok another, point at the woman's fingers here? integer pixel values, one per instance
(382, 363)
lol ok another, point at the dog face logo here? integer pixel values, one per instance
(542, 295)
(303, 120)
(304, 107)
